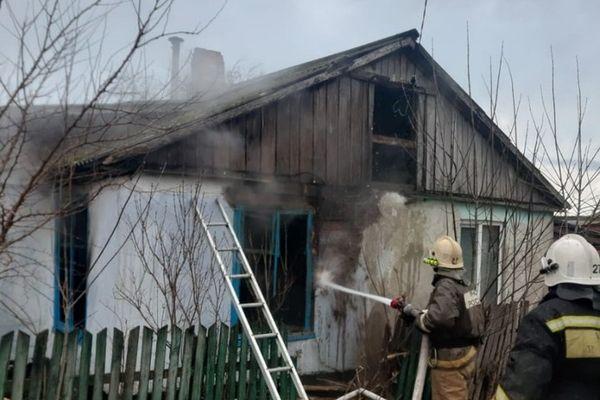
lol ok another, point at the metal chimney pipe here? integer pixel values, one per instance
(175, 54)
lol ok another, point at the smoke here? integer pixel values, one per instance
(324, 277)
(391, 203)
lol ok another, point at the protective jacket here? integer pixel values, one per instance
(557, 351)
(454, 315)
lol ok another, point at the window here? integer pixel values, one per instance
(71, 260)
(279, 249)
(394, 135)
(481, 245)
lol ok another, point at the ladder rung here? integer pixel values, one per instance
(251, 305)
(239, 276)
(265, 335)
(228, 249)
(217, 224)
(279, 369)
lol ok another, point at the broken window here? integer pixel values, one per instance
(394, 135)
(481, 255)
(71, 269)
(278, 247)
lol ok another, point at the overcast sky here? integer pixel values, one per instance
(274, 34)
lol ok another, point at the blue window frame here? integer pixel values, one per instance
(278, 245)
(71, 269)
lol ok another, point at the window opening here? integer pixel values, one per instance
(71, 270)
(394, 135)
(278, 247)
(481, 256)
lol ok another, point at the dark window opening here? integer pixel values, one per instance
(468, 242)
(72, 270)
(393, 164)
(490, 257)
(278, 247)
(393, 112)
(394, 136)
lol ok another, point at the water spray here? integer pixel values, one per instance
(324, 280)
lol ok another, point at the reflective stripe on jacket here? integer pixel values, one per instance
(556, 354)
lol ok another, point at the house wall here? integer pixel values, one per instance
(351, 331)
(135, 233)
(27, 279)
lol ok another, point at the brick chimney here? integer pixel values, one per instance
(208, 72)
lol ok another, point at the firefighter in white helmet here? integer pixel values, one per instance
(453, 320)
(557, 351)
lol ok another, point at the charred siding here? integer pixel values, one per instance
(317, 135)
(323, 135)
(456, 156)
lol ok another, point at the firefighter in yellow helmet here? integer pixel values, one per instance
(453, 320)
(557, 352)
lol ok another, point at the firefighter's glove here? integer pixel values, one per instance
(398, 303)
(410, 313)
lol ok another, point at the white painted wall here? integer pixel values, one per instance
(351, 331)
(117, 220)
(26, 281)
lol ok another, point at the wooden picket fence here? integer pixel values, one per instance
(214, 363)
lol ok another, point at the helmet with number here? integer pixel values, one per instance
(571, 259)
(445, 253)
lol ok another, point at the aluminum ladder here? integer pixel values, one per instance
(259, 303)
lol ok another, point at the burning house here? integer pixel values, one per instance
(352, 164)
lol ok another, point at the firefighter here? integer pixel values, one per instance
(557, 351)
(453, 320)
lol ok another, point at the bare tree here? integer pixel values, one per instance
(178, 281)
(65, 96)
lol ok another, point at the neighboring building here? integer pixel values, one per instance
(353, 164)
(586, 225)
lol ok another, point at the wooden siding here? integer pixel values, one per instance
(317, 135)
(323, 135)
(454, 157)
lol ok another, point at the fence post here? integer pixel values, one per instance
(173, 362)
(5, 348)
(55, 366)
(222, 352)
(243, 369)
(37, 369)
(115, 364)
(199, 363)
(131, 358)
(210, 363)
(159, 363)
(147, 338)
(186, 363)
(99, 365)
(84, 366)
(18, 384)
(70, 361)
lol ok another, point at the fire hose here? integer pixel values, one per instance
(423, 352)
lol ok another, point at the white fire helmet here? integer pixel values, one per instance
(445, 253)
(571, 259)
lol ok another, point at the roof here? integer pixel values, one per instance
(167, 124)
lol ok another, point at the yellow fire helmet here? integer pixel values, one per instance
(445, 253)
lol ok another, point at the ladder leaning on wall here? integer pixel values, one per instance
(258, 303)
